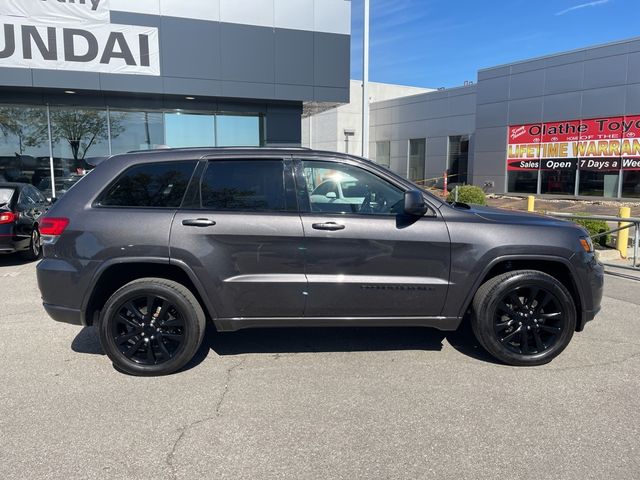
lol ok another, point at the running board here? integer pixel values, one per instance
(235, 324)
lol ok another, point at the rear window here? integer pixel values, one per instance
(6, 194)
(159, 185)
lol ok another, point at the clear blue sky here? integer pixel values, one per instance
(442, 43)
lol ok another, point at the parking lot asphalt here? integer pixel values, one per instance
(317, 404)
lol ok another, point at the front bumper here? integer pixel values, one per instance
(592, 291)
(64, 314)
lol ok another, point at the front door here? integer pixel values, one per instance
(364, 256)
(242, 236)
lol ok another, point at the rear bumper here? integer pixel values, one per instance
(63, 314)
(8, 241)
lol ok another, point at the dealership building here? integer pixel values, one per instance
(82, 79)
(90, 78)
(561, 125)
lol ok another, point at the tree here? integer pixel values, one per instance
(28, 124)
(82, 129)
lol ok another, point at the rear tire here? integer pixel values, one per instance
(151, 326)
(35, 247)
(524, 318)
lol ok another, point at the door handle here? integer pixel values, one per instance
(198, 222)
(330, 226)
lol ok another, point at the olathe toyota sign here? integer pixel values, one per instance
(603, 144)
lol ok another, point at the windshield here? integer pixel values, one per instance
(6, 194)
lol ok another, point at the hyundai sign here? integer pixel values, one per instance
(74, 35)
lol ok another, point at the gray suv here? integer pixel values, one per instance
(151, 244)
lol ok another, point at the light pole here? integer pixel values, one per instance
(365, 81)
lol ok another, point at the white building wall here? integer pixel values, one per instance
(431, 116)
(325, 131)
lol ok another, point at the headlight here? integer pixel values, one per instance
(587, 244)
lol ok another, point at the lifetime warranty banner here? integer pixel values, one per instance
(594, 144)
(74, 35)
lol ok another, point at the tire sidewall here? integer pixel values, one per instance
(29, 254)
(485, 318)
(187, 350)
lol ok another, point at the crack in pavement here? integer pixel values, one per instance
(184, 430)
(591, 365)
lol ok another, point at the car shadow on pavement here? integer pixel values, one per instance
(343, 339)
(346, 339)
(464, 341)
(87, 341)
(314, 340)
(14, 260)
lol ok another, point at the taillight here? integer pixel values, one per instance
(8, 217)
(53, 226)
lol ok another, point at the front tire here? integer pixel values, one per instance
(151, 326)
(524, 318)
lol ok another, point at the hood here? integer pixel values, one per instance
(500, 215)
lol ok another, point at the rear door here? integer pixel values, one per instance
(242, 235)
(364, 257)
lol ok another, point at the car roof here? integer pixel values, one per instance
(16, 185)
(169, 154)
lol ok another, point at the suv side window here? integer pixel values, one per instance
(159, 185)
(244, 185)
(363, 193)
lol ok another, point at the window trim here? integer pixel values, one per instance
(98, 199)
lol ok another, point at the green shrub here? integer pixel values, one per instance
(469, 194)
(594, 227)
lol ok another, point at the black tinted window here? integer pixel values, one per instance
(250, 185)
(151, 185)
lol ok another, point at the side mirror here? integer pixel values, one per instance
(331, 195)
(414, 203)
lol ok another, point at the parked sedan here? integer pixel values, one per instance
(21, 206)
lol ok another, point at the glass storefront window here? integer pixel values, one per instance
(524, 181)
(79, 134)
(383, 154)
(189, 130)
(598, 184)
(417, 153)
(237, 131)
(24, 144)
(136, 131)
(558, 182)
(458, 158)
(631, 184)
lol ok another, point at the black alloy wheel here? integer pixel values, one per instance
(148, 329)
(524, 317)
(529, 320)
(151, 326)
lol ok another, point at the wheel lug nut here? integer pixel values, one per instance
(146, 340)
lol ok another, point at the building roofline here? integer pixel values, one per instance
(559, 54)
